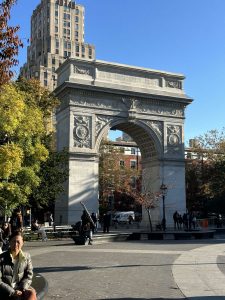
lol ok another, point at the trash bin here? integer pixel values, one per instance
(205, 223)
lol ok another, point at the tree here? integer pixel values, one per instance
(120, 180)
(143, 195)
(30, 168)
(53, 173)
(21, 148)
(112, 176)
(207, 191)
(9, 42)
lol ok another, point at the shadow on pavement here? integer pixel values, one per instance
(84, 268)
(162, 298)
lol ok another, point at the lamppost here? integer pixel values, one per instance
(163, 189)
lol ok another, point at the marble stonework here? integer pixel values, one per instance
(149, 105)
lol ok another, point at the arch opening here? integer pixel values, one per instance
(146, 178)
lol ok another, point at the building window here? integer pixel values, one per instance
(56, 28)
(77, 19)
(122, 164)
(133, 151)
(189, 155)
(66, 16)
(76, 26)
(66, 24)
(133, 164)
(57, 43)
(77, 11)
(67, 54)
(45, 83)
(45, 75)
(66, 31)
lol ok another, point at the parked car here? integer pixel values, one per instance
(123, 217)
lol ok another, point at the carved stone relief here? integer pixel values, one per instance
(95, 101)
(126, 78)
(154, 107)
(173, 135)
(82, 131)
(157, 127)
(158, 108)
(174, 140)
(101, 121)
(130, 103)
(173, 84)
(83, 70)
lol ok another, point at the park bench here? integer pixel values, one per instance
(58, 232)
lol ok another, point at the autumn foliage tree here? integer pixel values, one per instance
(143, 195)
(9, 42)
(205, 175)
(120, 180)
(112, 176)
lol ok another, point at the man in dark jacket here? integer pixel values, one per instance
(16, 271)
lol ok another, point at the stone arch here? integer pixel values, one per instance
(147, 104)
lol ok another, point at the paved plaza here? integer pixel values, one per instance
(132, 270)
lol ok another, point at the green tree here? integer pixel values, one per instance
(21, 149)
(53, 174)
(30, 168)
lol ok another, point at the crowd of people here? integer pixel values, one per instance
(187, 221)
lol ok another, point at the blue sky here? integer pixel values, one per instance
(181, 36)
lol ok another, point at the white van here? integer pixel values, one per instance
(123, 216)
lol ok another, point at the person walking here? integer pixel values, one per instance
(16, 271)
(86, 230)
(106, 222)
(40, 229)
(175, 220)
(5, 233)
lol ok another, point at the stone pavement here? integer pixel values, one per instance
(132, 270)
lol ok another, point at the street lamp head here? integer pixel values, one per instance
(163, 189)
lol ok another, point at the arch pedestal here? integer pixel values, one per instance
(146, 104)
